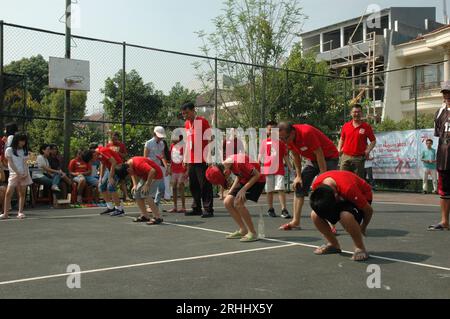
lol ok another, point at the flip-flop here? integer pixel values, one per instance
(173, 211)
(21, 216)
(235, 235)
(288, 227)
(3, 217)
(438, 227)
(141, 219)
(363, 254)
(327, 250)
(249, 238)
(155, 221)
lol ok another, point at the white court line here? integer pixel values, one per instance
(312, 246)
(143, 264)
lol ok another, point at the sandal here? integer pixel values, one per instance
(327, 250)
(235, 235)
(141, 219)
(288, 227)
(21, 216)
(155, 221)
(173, 211)
(183, 211)
(249, 238)
(360, 256)
(437, 227)
(4, 217)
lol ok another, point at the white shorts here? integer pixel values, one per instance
(275, 183)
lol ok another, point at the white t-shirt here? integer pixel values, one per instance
(42, 162)
(19, 161)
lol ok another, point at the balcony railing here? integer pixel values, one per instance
(423, 90)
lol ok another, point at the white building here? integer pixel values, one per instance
(430, 49)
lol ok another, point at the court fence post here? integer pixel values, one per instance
(1, 74)
(124, 83)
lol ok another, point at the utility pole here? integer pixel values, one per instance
(445, 12)
(67, 104)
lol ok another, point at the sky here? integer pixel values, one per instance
(165, 24)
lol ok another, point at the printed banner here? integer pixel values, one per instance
(398, 154)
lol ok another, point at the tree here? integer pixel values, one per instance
(52, 106)
(142, 102)
(424, 121)
(35, 70)
(170, 112)
(259, 32)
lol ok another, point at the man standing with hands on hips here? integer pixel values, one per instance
(442, 130)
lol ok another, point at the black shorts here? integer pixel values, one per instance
(253, 194)
(310, 172)
(334, 216)
(444, 184)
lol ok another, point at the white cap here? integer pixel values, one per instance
(160, 132)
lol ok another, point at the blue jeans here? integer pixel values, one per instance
(160, 192)
(104, 185)
(48, 181)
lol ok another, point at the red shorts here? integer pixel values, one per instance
(444, 184)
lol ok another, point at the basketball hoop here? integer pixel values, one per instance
(75, 79)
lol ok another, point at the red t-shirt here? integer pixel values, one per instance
(79, 166)
(142, 167)
(243, 167)
(349, 186)
(195, 143)
(177, 153)
(355, 138)
(118, 147)
(309, 139)
(272, 154)
(104, 154)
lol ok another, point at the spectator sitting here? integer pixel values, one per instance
(81, 173)
(55, 161)
(95, 164)
(45, 175)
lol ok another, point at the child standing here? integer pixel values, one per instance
(19, 174)
(179, 174)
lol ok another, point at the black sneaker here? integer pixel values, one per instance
(108, 211)
(117, 213)
(285, 214)
(207, 215)
(271, 213)
(193, 213)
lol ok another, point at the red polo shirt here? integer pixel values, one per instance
(243, 168)
(196, 145)
(308, 139)
(272, 154)
(142, 167)
(77, 165)
(118, 147)
(349, 186)
(355, 138)
(105, 154)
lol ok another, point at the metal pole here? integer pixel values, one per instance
(415, 99)
(124, 81)
(345, 102)
(264, 98)
(1, 74)
(216, 93)
(67, 104)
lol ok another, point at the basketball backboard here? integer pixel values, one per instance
(69, 74)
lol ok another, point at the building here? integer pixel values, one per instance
(363, 46)
(430, 49)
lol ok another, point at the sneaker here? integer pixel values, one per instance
(285, 214)
(207, 215)
(108, 211)
(56, 189)
(271, 213)
(193, 213)
(117, 213)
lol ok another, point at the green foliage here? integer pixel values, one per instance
(142, 102)
(257, 31)
(424, 121)
(35, 70)
(170, 111)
